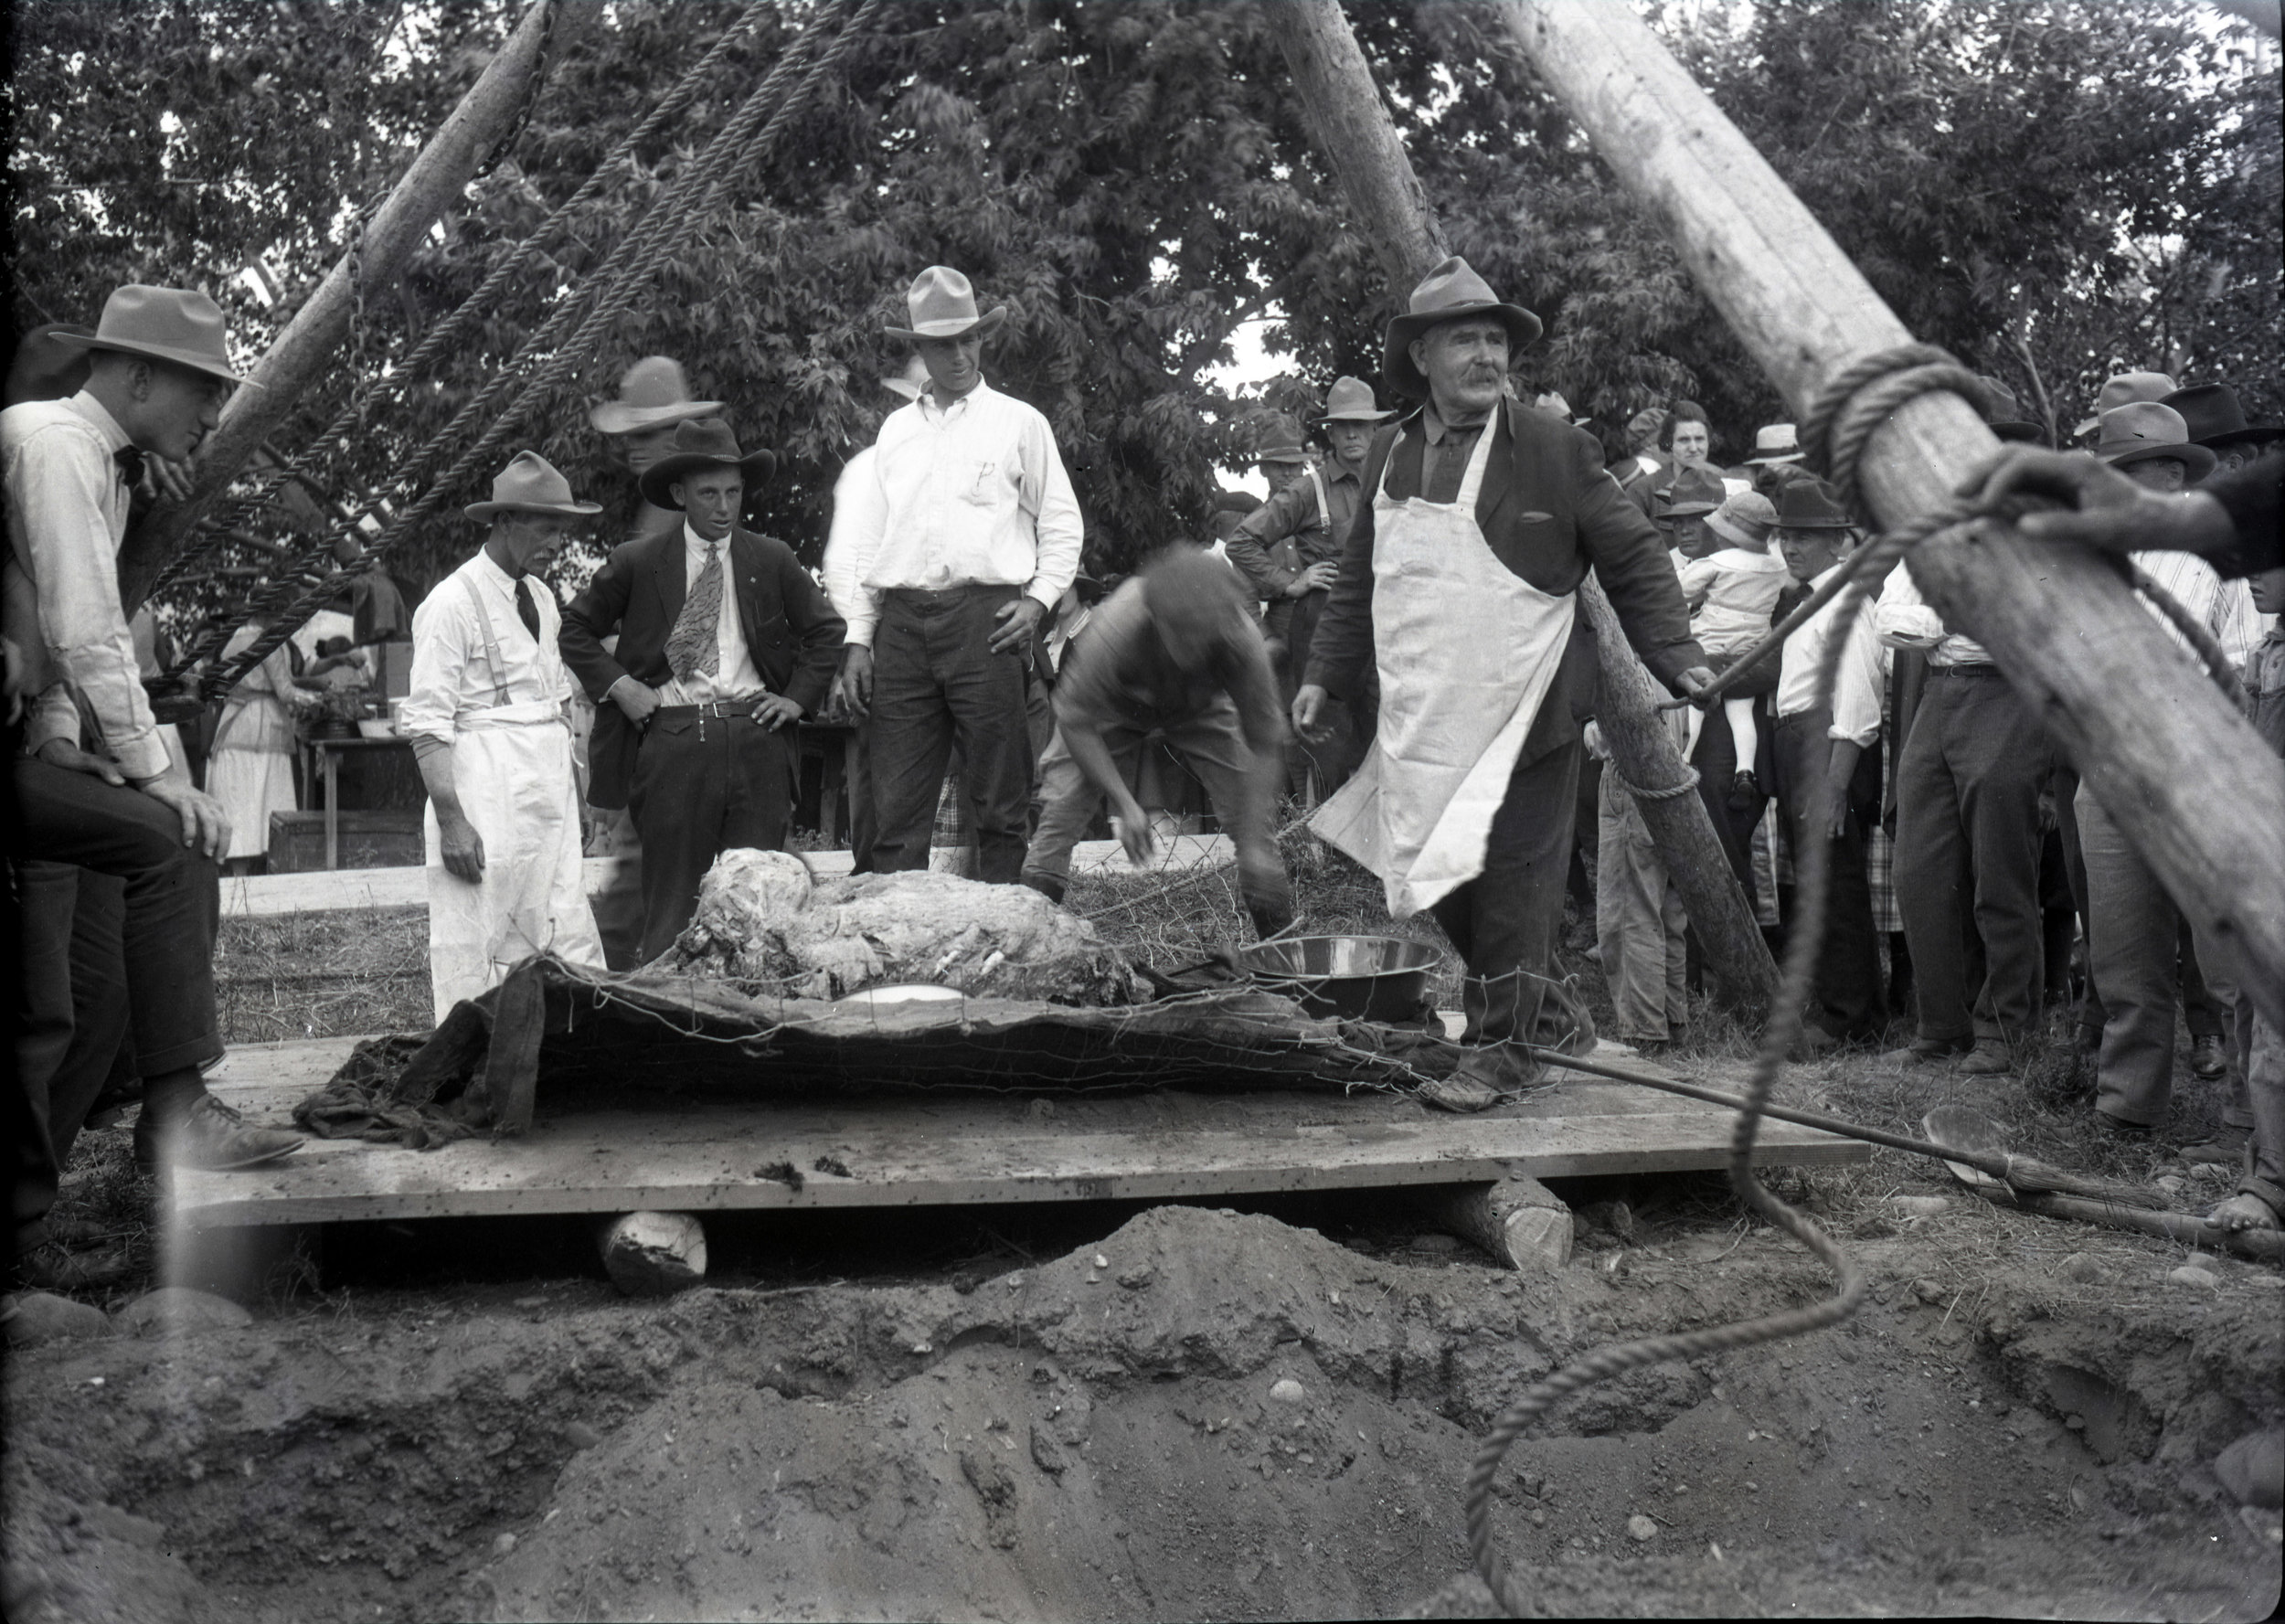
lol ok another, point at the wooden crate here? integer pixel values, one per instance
(382, 839)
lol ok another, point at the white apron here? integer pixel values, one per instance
(512, 767)
(1467, 650)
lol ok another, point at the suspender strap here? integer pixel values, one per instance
(491, 641)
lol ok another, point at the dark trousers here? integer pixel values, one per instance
(1715, 758)
(140, 963)
(936, 682)
(864, 814)
(1967, 865)
(1846, 1000)
(702, 786)
(1505, 922)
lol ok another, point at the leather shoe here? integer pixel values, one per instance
(1988, 1058)
(2208, 1060)
(211, 1138)
(2118, 1128)
(2225, 1147)
(1936, 1048)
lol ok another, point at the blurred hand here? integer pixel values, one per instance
(1134, 834)
(1308, 714)
(2103, 508)
(1694, 682)
(164, 477)
(1317, 578)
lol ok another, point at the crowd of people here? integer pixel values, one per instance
(1390, 644)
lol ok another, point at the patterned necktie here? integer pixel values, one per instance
(526, 610)
(695, 648)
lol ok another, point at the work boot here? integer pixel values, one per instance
(209, 1137)
(2120, 1130)
(2208, 1058)
(1926, 1050)
(1988, 1058)
(1485, 1075)
(2225, 1147)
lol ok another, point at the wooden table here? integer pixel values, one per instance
(328, 753)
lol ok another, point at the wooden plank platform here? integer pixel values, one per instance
(266, 895)
(904, 1149)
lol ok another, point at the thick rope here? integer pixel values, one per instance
(665, 232)
(1689, 782)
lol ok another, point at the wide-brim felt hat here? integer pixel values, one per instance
(1808, 505)
(174, 324)
(1696, 490)
(941, 303)
(529, 484)
(1447, 292)
(1281, 442)
(2004, 413)
(1350, 400)
(705, 443)
(2145, 430)
(2124, 389)
(653, 393)
(2215, 419)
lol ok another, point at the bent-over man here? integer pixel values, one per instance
(724, 641)
(1175, 650)
(1482, 517)
(486, 717)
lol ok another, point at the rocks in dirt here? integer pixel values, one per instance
(1918, 1207)
(2190, 1274)
(581, 1436)
(1286, 1390)
(1640, 1527)
(1614, 1218)
(761, 917)
(2082, 1268)
(41, 1316)
(1435, 1245)
(177, 1310)
(653, 1254)
(2253, 1469)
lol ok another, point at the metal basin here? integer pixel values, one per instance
(907, 992)
(1372, 978)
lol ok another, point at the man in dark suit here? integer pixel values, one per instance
(1481, 517)
(725, 641)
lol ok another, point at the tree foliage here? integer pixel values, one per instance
(2052, 188)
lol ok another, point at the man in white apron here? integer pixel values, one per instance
(1456, 587)
(488, 722)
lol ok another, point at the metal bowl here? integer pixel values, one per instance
(1372, 978)
(908, 992)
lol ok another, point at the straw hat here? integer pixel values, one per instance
(652, 393)
(2144, 430)
(1775, 443)
(1350, 400)
(172, 324)
(942, 304)
(1447, 292)
(2122, 390)
(705, 443)
(529, 484)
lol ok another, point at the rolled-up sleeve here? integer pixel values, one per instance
(1902, 617)
(1857, 689)
(1057, 530)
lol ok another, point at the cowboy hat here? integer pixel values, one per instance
(173, 324)
(909, 383)
(1446, 293)
(1350, 400)
(2215, 419)
(2003, 414)
(1808, 505)
(1775, 443)
(529, 484)
(1696, 490)
(1279, 441)
(942, 304)
(2122, 390)
(2145, 430)
(653, 393)
(1746, 520)
(705, 443)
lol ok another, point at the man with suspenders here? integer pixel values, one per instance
(486, 716)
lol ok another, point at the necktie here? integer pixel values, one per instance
(130, 461)
(695, 648)
(526, 610)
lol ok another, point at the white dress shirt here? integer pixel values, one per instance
(1857, 687)
(2224, 607)
(66, 516)
(735, 679)
(1904, 621)
(857, 510)
(970, 493)
(452, 672)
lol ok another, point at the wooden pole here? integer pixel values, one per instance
(1358, 139)
(2175, 766)
(305, 350)
(1361, 143)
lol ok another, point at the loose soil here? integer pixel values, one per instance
(1082, 1411)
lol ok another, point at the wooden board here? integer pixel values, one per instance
(268, 894)
(907, 1149)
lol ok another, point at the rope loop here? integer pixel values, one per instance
(1688, 783)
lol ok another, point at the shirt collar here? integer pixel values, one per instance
(696, 544)
(936, 412)
(94, 411)
(489, 567)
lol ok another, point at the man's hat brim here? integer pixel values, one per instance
(984, 326)
(1354, 416)
(1811, 523)
(190, 359)
(562, 510)
(1687, 510)
(1770, 459)
(613, 416)
(2252, 434)
(1396, 361)
(2196, 460)
(756, 468)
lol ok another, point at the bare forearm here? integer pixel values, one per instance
(435, 758)
(1094, 759)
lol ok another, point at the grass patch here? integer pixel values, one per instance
(322, 974)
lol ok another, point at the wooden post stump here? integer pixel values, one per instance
(1519, 1220)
